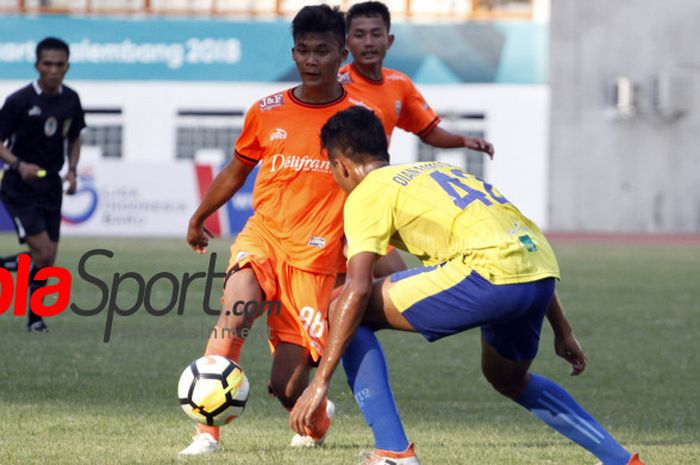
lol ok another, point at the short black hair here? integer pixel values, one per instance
(369, 9)
(319, 19)
(357, 133)
(51, 43)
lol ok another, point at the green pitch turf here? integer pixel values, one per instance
(69, 398)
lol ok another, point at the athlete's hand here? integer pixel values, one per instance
(567, 347)
(70, 178)
(198, 236)
(480, 145)
(310, 401)
(28, 171)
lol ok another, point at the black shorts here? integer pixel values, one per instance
(33, 209)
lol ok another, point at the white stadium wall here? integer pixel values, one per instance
(625, 91)
(514, 120)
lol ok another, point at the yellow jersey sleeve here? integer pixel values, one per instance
(368, 217)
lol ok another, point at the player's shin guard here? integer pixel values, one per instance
(367, 373)
(222, 342)
(554, 406)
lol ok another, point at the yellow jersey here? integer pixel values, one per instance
(437, 212)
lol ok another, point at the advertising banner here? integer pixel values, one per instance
(117, 198)
(127, 199)
(260, 51)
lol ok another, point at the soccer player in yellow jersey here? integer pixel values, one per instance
(402, 105)
(485, 265)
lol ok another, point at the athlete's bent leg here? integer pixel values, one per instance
(289, 375)
(43, 253)
(365, 366)
(228, 336)
(550, 403)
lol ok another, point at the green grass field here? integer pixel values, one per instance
(68, 398)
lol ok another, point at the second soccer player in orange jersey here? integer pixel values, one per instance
(368, 40)
(291, 247)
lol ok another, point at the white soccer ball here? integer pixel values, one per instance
(213, 390)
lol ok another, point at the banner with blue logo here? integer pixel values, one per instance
(118, 198)
(260, 51)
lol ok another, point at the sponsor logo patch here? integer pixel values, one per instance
(66, 126)
(273, 101)
(527, 242)
(316, 241)
(297, 163)
(278, 134)
(50, 126)
(34, 111)
(344, 78)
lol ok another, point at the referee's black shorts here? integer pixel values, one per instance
(34, 207)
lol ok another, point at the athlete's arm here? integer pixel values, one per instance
(224, 186)
(6, 156)
(73, 157)
(28, 171)
(343, 322)
(389, 264)
(445, 139)
(565, 344)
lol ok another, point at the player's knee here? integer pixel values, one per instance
(510, 385)
(243, 281)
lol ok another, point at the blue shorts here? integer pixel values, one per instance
(510, 315)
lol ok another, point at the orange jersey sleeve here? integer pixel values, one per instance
(248, 148)
(297, 204)
(401, 103)
(416, 116)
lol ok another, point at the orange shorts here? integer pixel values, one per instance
(304, 295)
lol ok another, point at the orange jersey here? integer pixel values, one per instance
(297, 205)
(401, 103)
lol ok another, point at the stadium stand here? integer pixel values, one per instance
(410, 9)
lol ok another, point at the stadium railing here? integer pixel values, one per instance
(407, 9)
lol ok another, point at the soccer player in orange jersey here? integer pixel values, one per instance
(291, 247)
(368, 40)
(402, 105)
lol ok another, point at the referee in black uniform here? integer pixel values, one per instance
(39, 125)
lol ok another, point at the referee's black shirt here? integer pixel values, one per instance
(37, 125)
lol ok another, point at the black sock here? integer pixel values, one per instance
(10, 262)
(34, 285)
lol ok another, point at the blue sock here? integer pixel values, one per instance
(365, 366)
(554, 406)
